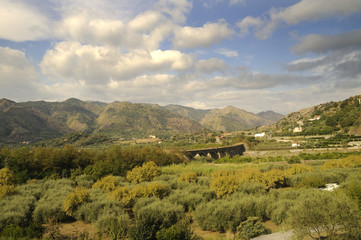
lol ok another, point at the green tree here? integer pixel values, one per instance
(321, 211)
(147, 172)
(251, 228)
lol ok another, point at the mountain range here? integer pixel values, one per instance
(40, 120)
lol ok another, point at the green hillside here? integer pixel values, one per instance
(142, 119)
(22, 124)
(40, 120)
(333, 117)
(228, 119)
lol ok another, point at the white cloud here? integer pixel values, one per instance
(247, 23)
(18, 78)
(98, 64)
(321, 44)
(21, 22)
(228, 53)
(305, 10)
(177, 9)
(210, 33)
(211, 65)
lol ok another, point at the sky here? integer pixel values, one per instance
(256, 55)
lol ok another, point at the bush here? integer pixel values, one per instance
(108, 183)
(314, 181)
(224, 186)
(251, 228)
(348, 162)
(74, 199)
(7, 182)
(189, 177)
(180, 231)
(16, 210)
(51, 202)
(153, 217)
(321, 211)
(115, 227)
(187, 199)
(147, 172)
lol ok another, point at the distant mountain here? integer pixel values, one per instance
(18, 123)
(40, 120)
(228, 119)
(130, 118)
(271, 115)
(327, 118)
(188, 112)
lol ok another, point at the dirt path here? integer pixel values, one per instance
(275, 236)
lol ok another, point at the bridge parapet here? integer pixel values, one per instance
(217, 153)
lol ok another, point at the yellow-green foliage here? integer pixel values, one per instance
(75, 199)
(348, 162)
(108, 183)
(273, 178)
(224, 185)
(123, 194)
(147, 172)
(298, 168)
(7, 181)
(189, 177)
(128, 196)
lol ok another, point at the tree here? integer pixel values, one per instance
(74, 199)
(251, 228)
(147, 172)
(321, 211)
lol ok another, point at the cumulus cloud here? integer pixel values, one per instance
(210, 33)
(247, 23)
(322, 44)
(227, 52)
(211, 65)
(305, 10)
(21, 22)
(17, 72)
(99, 64)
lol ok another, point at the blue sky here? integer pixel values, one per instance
(257, 55)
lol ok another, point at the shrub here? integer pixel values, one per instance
(180, 231)
(251, 228)
(224, 186)
(147, 172)
(227, 214)
(293, 160)
(124, 195)
(108, 183)
(7, 182)
(314, 181)
(115, 227)
(331, 213)
(188, 200)
(153, 217)
(85, 181)
(74, 199)
(189, 177)
(298, 168)
(51, 202)
(16, 209)
(348, 162)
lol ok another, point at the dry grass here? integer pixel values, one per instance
(75, 229)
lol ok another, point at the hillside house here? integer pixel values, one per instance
(316, 117)
(260, 134)
(297, 129)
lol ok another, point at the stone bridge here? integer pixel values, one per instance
(216, 153)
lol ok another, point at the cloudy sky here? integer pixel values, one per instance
(257, 55)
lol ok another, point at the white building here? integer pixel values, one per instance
(260, 134)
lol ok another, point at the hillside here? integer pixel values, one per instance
(40, 120)
(327, 118)
(142, 119)
(228, 119)
(23, 124)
